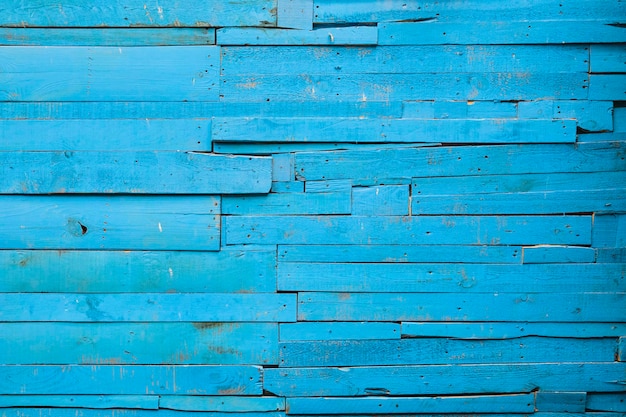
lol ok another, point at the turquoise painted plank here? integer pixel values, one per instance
(373, 165)
(517, 403)
(295, 14)
(321, 60)
(621, 349)
(607, 87)
(288, 204)
(106, 37)
(512, 330)
(282, 167)
(120, 222)
(601, 401)
(440, 351)
(402, 230)
(146, 402)
(558, 254)
(223, 404)
(398, 87)
(135, 13)
(619, 119)
(499, 32)
(232, 269)
(602, 137)
(139, 343)
(451, 278)
(460, 109)
(400, 253)
(343, 186)
(591, 116)
(130, 380)
(287, 187)
(338, 331)
(174, 73)
(74, 412)
(135, 172)
(611, 255)
(566, 402)
(565, 307)
(105, 135)
(147, 307)
(607, 58)
(386, 200)
(392, 130)
(609, 231)
(272, 148)
(443, 379)
(346, 35)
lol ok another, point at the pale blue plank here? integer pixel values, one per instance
(120, 222)
(598, 401)
(609, 231)
(147, 307)
(223, 404)
(607, 58)
(295, 14)
(387, 200)
(566, 307)
(344, 186)
(282, 167)
(347, 35)
(130, 380)
(602, 137)
(146, 402)
(591, 116)
(557, 254)
(566, 402)
(607, 87)
(272, 148)
(338, 331)
(287, 187)
(288, 204)
(461, 109)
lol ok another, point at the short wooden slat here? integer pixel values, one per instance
(607, 58)
(328, 186)
(288, 204)
(287, 187)
(223, 404)
(338, 331)
(609, 231)
(604, 401)
(607, 87)
(557, 254)
(562, 402)
(282, 167)
(295, 14)
(355, 35)
(445, 109)
(144, 402)
(590, 116)
(387, 200)
(611, 255)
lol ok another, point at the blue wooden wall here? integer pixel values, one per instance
(312, 207)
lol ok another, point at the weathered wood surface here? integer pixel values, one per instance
(338, 331)
(223, 404)
(356, 35)
(567, 402)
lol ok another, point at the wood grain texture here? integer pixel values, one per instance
(591, 116)
(338, 331)
(387, 200)
(223, 404)
(607, 59)
(356, 35)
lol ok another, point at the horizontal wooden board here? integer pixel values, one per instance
(287, 187)
(452, 278)
(106, 37)
(607, 58)
(328, 186)
(591, 116)
(568, 307)
(82, 412)
(338, 331)
(295, 14)
(140, 343)
(135, 13)
(174, 73)
(282, 167)
(609, 231)
(374, 165)
(500, 32)
(148, 307)
(120, 222)
(402, 230)
(400, 253)
(288, 203)
(565, 402)
(232, 269)
(440, 351)
(446, 109)
(520, 403)
(145, 402)
(443, 379)
(603, 401)
(557, 254)
(385, 200)
(271, 148)
(105, 135)
(287, 129)
(490, 330)
(289, 60)
(346, 35)
(223, 404)
(607, 87)
(133, 173)
(611, 255)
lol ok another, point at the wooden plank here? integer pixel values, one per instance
(400, 253)
(611, 255)
(328, 186)
(517, 403)
(173, 73)
(591, 116)
(295, 14)
(83, 412)
(619, 120)
(288, 203)
(397, 87)
(621, 349)
(338, 331)
(557, 254)
(134, 13)
(140, 343)
(223, 404)
(402, 230)
(457, 161)
(607, 58)
(287, 187)
(392, 130)
(145, 402)
(443, 379)
(607, 87)
(609, 231)
(232, 269)
(511, 330)
(148, 307)
(439, 351)
(130, 380)
(105, 135)
(106, 37)
(282, 167)
(500, 32)
(346, 35)
(271, 148)
(460, 109)
(120, 222)
(602, 137)
(451, 278)
(563, 402)
(140, 172)
(604, 401)
(565, 307)
(387, 200)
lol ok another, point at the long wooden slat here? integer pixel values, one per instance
(271, 148)
(355, 35)
(222, 404)
(197, 343)
(144, 402)
(175, 73)
(591, 116)
(232, 269)
(562, 307)
(547, 254)
(148, 307)
(120, 222)
(338, 331)
(288, 203)
(447, 109)
(444, 379)
(130, 380)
